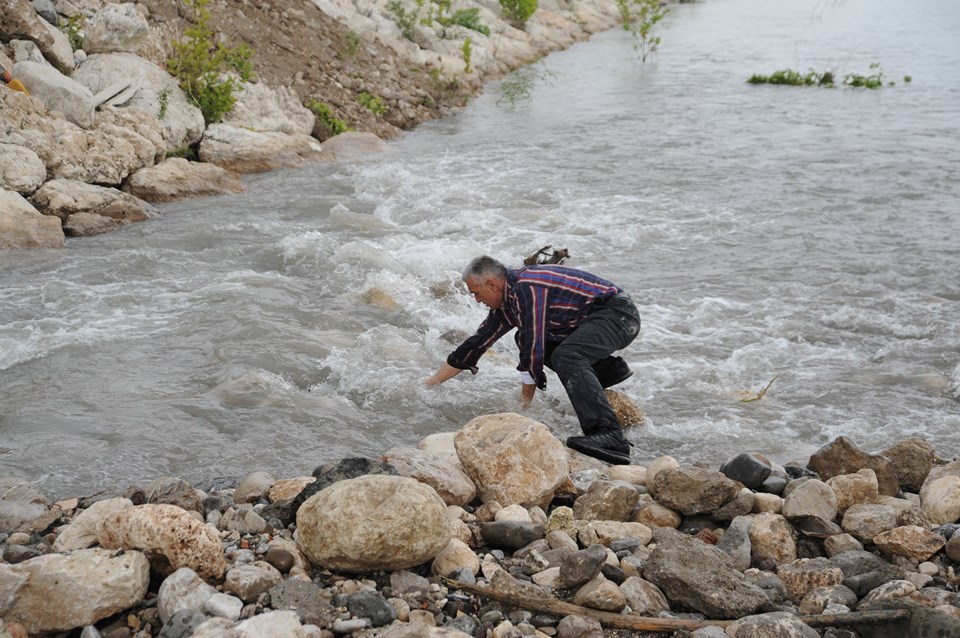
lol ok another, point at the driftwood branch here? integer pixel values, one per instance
(556, 256)
(642, 623)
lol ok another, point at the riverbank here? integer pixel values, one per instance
(500, 530)
(99, 138)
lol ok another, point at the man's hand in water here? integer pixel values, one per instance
(445, 373)
(527, 391)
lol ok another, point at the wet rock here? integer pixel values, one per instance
(510, 535)
(699, 577)
(910, 541)
(20, 505)
(607, 500)
(912, 459)
(864, 521)
(170, 537)
(253, 487)
(693, 490)
(22, 226)
(65, 197)
(626, 410)
(87, 585)
(356, 145)
(810, 498)
(852, 489)
(749, 469)
(373, 523)
(772, 538)
(842, 456)
(82, 531)
(512, 459)
(805, 575)
(780, 624)
(643, 597)
(941, 500)
(247, 582)
(244, 151)
(304, 598)
(448, 479)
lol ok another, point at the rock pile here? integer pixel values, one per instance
(95, 138)
(499, 531)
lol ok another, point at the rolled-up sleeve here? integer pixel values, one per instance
(466, 356)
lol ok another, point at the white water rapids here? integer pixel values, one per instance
(802, 233)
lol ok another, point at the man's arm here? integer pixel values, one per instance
(445, 373)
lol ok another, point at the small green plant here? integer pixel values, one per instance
(907, 79)
(199, 61)
(470, 19)
(639, 17)
(372, 102)
(518, 11)
(872, 81)
(351, 46)
(324, 113)
(467, 49)
(518, 86)
(163, 102)
(405, 19)
(186, 152)
(73, 29)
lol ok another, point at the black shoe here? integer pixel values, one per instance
(611, 371)
(607, 445)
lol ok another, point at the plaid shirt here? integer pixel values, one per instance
(545, 303)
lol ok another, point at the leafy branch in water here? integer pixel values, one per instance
(518, 86)
(874, 80)
(759, 395)
(639, 17)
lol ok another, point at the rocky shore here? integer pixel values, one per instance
(102, 130)
(498, 530)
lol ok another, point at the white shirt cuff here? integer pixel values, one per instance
(527, 379)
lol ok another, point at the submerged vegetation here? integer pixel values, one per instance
(639, 17)
(518, 86)
(873, 80)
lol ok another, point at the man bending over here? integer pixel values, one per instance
(567, 320)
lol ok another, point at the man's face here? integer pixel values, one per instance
(486, 291)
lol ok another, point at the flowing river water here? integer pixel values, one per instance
(803, 234)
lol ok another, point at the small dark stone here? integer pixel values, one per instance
(466, 624)
(948, 530)
(582, 566)
(182, 624)
(281, 559)
(14, 554)
(796, 471)
(216, 503)
(280, 512)
(624, 544)
(748, 469)
(773, 485)
(693, 525)
(510, 535)
(863, 584)
(406, 582)
(371, 605)
(543, 620)
(494, 616)
(136, 495)
(613, 573)
(809, 548)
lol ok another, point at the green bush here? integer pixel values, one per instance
(324, 113)
(199, 62)
(518, 11)
(73, 29)
(470, 18)
(372, 102)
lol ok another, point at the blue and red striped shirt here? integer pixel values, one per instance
(545, 303)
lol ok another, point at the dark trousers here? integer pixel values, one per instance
(577, 359)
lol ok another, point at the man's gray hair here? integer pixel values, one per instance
(484, 267)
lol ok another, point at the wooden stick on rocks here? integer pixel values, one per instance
(641, 623)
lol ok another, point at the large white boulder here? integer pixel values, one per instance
(371, 523)
(22, 225)
(60, 592)
(20, 169)
(57, 91)
(245, 151)
(116, 27)
(512, 459)
(265, 108)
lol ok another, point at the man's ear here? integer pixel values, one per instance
(492, 284)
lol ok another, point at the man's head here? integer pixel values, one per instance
(486, 278)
